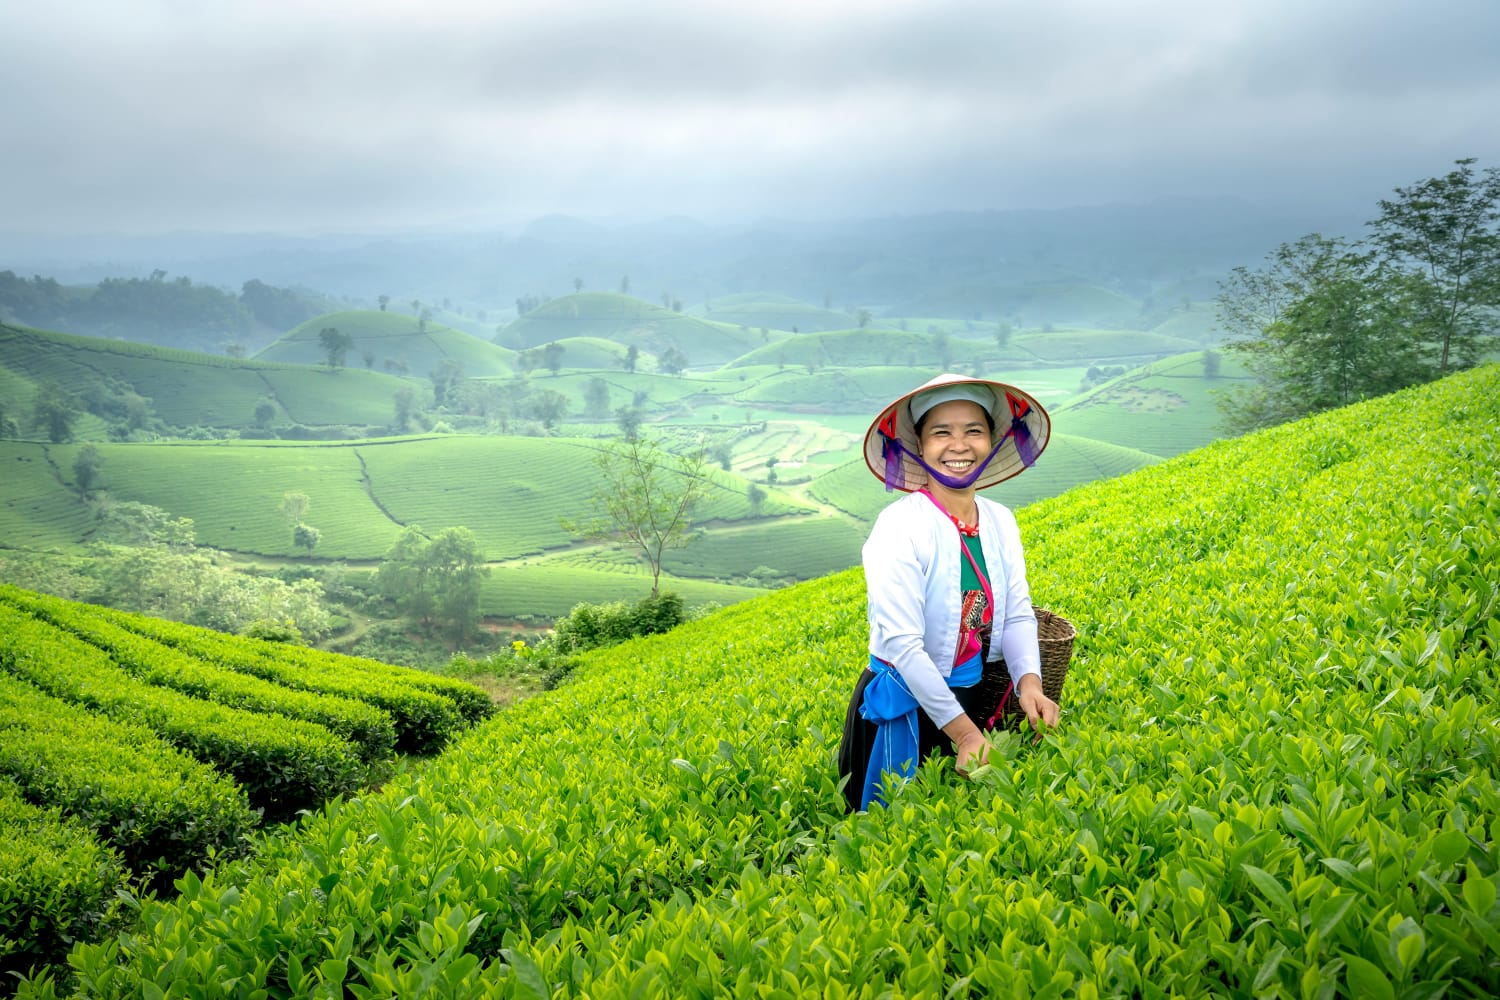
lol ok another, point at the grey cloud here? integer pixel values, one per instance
(335, 113)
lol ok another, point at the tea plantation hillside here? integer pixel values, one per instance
(361, 494)
(629, 321)
(1277, 774)
(1145, 408)
(773, 312)
(391, 342)
(187, 389)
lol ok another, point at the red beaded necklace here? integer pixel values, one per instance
(964, 527)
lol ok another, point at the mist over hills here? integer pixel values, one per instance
(875, 262)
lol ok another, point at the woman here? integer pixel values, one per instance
(950, 612)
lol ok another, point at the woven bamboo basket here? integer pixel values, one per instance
(1055, 635)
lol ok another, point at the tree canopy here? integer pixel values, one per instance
(1325, 322)
(646, 497)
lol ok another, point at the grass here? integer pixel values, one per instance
(775, 313)
(1100, 346)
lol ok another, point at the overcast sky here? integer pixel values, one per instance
(317, 115)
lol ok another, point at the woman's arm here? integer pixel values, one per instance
(896, 586)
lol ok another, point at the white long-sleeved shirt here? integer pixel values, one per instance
(913, 568)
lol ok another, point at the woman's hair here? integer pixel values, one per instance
(989, 418)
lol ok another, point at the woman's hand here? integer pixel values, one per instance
(970, 747)
(1040, 710)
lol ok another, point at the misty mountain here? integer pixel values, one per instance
(877, 263)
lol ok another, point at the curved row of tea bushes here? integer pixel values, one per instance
(1278, 773)
(284, 765)
(425, 720)
(58, 884)
(472, 703)
(161, 809)
(366, 726)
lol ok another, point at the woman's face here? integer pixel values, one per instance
(954, 436)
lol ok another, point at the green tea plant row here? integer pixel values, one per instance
(427, 710)
(367, 727)
(284, 765)
(1278, 774)
(58, 884)
(161, 809)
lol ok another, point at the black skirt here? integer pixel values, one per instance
(978, 702)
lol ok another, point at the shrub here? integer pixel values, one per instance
(58, 884)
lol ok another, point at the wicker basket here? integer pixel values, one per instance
(1055, 635)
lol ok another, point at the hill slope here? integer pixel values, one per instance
(186, 389)
(1279, 768)
(391, 342)
(629, 321)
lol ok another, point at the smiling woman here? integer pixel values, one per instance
(945, 575)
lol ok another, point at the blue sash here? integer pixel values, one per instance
(890, 704)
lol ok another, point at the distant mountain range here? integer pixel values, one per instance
(876, 263)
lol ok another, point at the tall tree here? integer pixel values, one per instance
(1445, 231)
(435, 581)
(87, 465)
(1320, 326)
(647, 497)
(596, 398)
(55, 412)
(335, 344)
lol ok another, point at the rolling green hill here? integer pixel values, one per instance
(592, 352)
(1276, 774)
(1101, 346)
(391, 342)
(1164, 408)
(774, 312)
(186, 389)
(844, 349)
(630, 322)
(509, 491)
(1028, 305)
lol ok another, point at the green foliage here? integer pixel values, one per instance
(633, 322)
(1276, 775)
(58, 884)
(592, 626)
(1444, 234)
(1325, 323)
(335, 345)
(1320, 328)
(646, 499)
(150, 662)
(153, 310)
(401, 344)
(163, 811)
(284, 765)
(281, 308)
(426, 710)
(190, 390)
(435, 580)
(54, 412)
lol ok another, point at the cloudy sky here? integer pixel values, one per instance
(319, 115)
